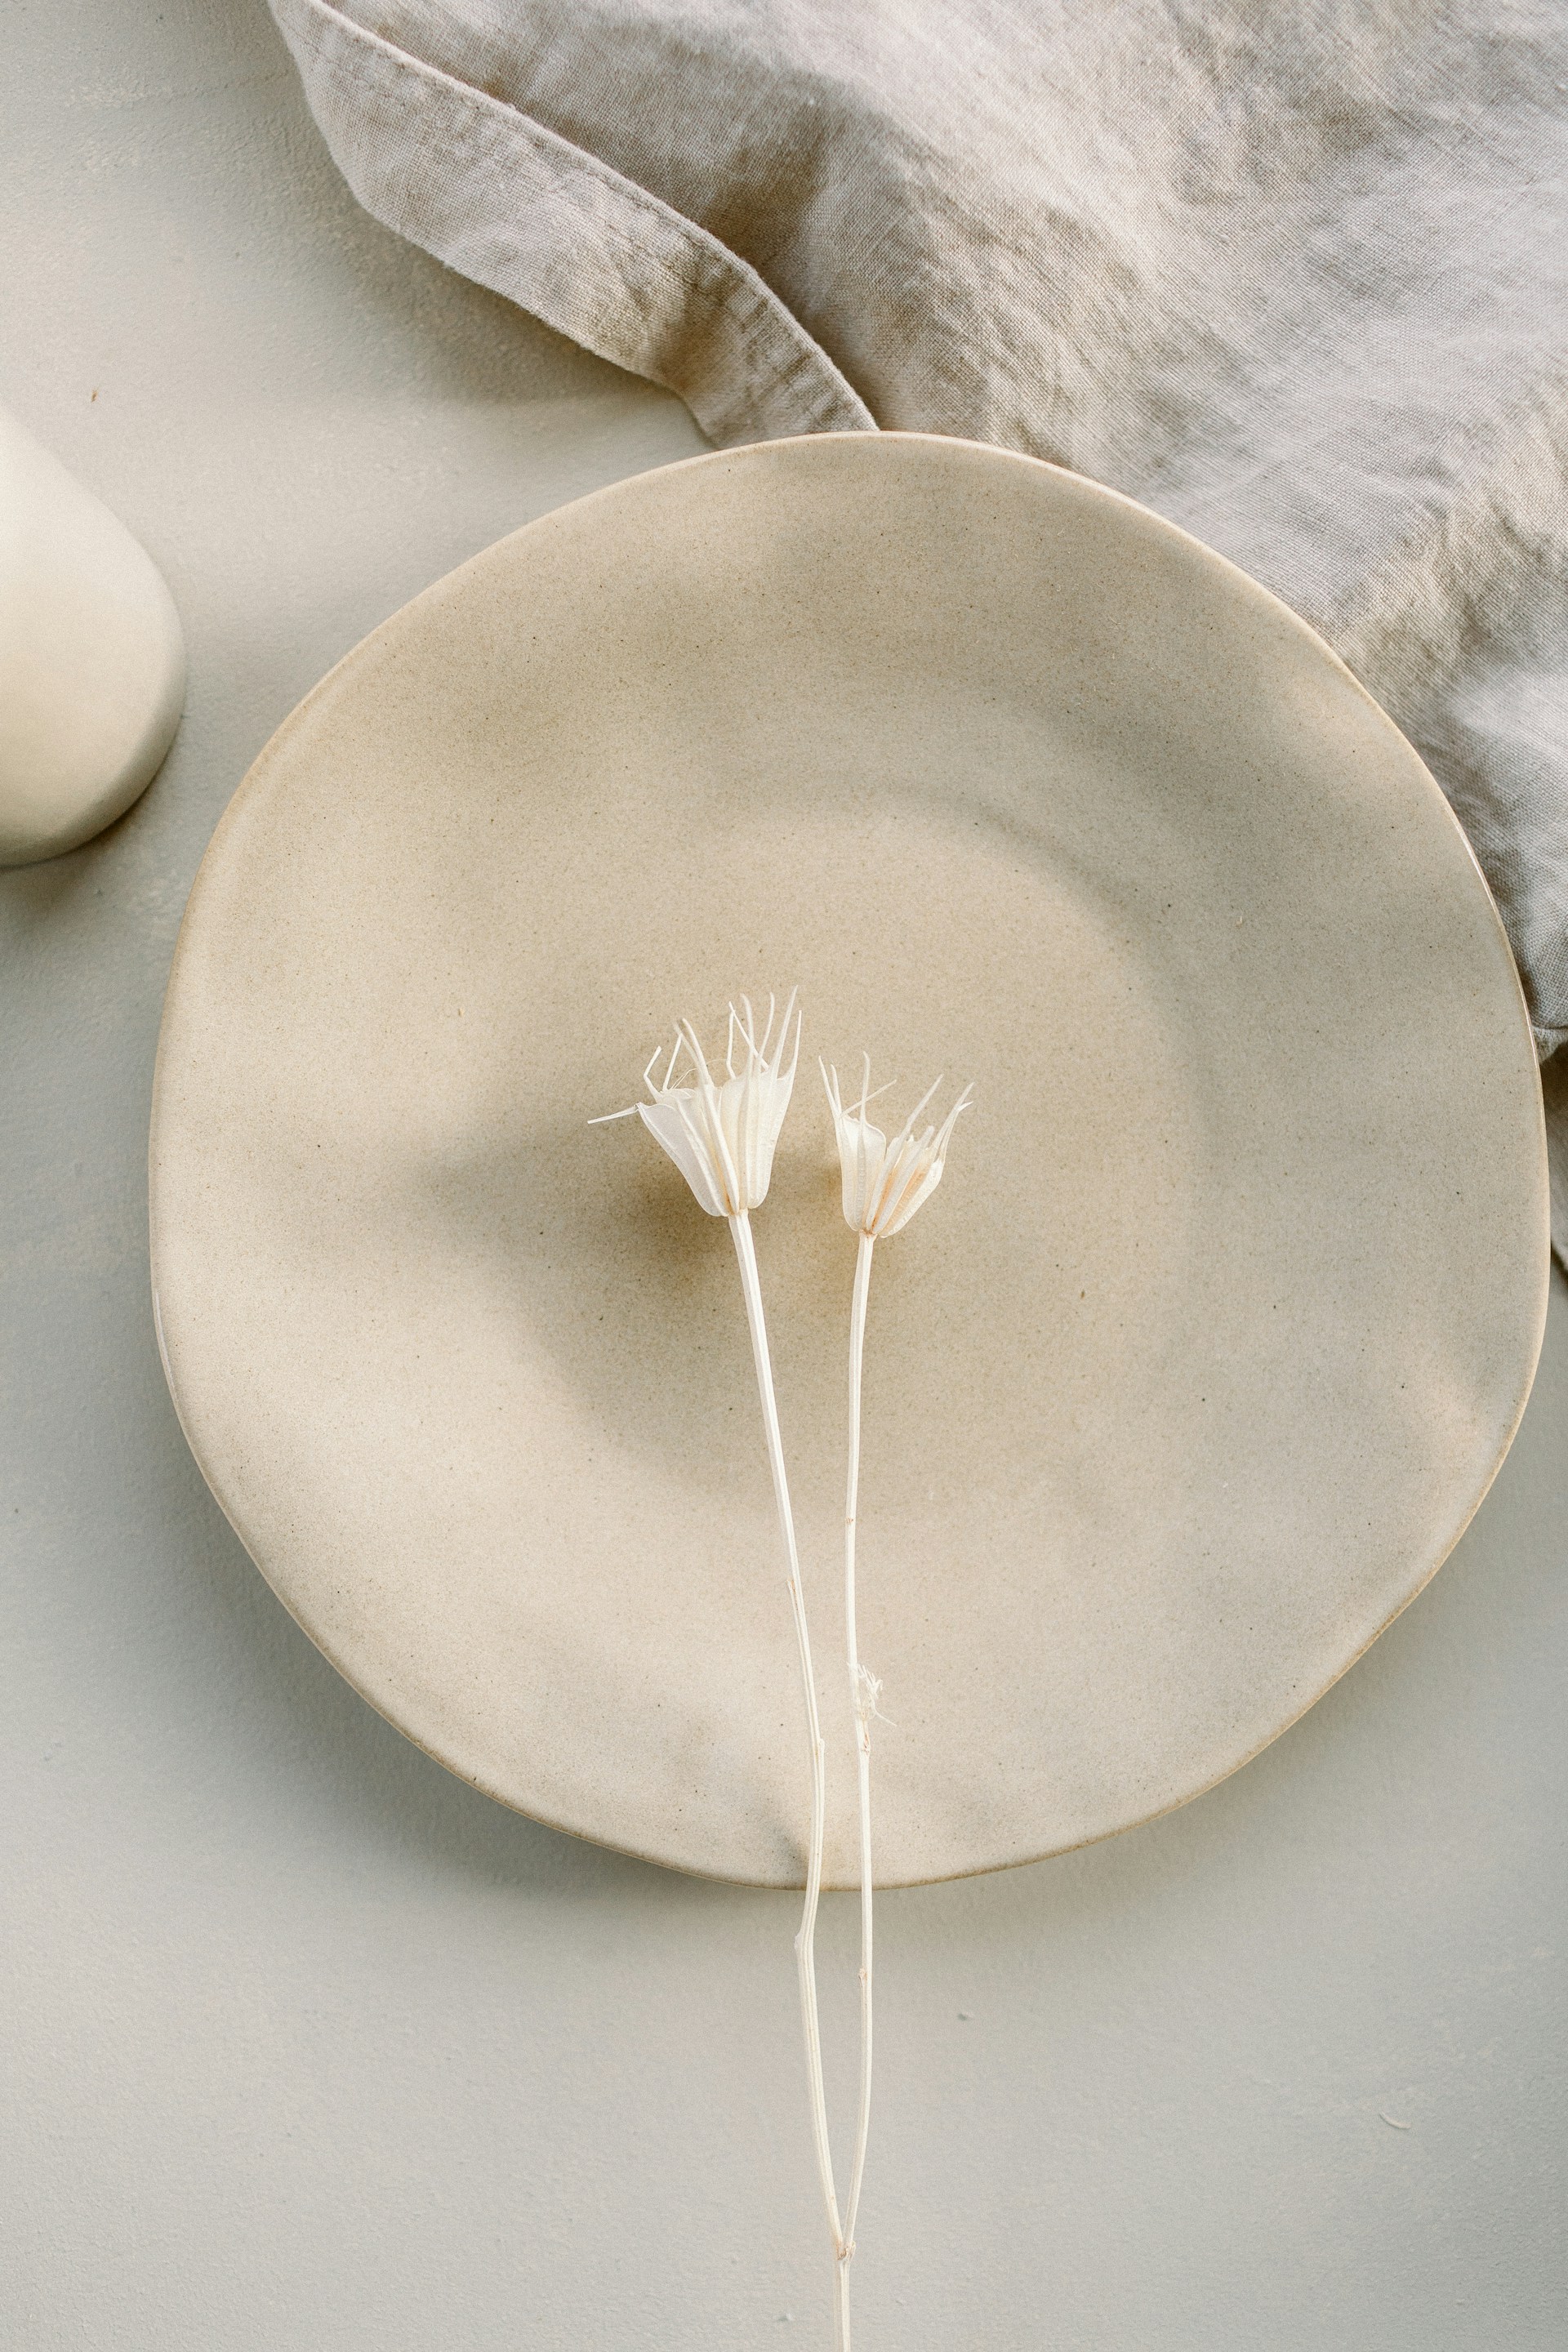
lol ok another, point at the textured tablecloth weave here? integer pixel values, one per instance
(1292, 272)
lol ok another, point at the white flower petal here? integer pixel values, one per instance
(896, 1213)
(722, 1136)
(668, 1120)
(885, 1183)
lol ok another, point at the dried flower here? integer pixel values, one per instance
(721, 1138)
(885, 1183)
(721, 1134)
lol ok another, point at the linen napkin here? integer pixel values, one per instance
(1292, 272)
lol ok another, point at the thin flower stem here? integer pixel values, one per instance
(805, 1941)
(862, 1698)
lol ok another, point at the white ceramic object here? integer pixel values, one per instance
(93, 661)
(1177, 1392)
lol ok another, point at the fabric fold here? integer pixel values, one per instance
(513, 206)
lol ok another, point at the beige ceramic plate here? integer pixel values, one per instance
(1180, 1388)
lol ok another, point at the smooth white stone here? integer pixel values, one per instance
(92, 660)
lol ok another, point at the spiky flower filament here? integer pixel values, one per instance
(885, 1183)
(721, 1133)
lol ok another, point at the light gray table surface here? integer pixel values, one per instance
(307, 2046)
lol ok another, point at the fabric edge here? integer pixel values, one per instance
(595, 257)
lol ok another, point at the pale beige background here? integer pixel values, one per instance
(307, 2046)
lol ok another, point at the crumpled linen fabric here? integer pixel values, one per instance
(1294, 273)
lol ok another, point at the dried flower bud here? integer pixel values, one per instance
(721, 1134)
(885, 1183)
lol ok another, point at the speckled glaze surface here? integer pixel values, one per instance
(1180, 1388)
